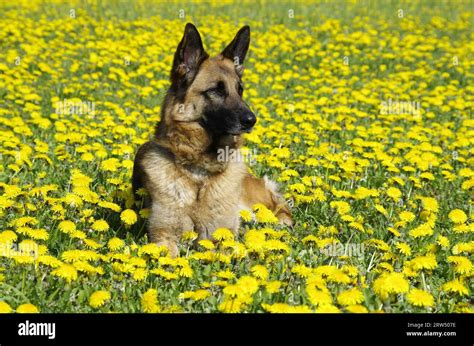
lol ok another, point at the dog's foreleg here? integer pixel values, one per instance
(164, 237)
(166, 227)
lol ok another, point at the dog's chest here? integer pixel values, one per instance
(217, 202)
(211, 189)
(196, 192)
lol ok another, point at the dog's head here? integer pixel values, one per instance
(209, 90)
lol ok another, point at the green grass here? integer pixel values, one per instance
(293, 62)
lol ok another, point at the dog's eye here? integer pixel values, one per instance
(218, 90)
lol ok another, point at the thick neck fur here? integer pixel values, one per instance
(192, 145)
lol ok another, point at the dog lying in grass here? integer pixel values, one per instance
(188, 186)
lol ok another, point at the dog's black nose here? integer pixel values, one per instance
(247, 120)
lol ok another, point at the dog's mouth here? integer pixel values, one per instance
(235, 130)
(240, 131)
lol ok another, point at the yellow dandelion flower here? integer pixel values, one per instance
(78, 235)
(463, 264)
(151, 249)
(350, 297)
(394, 193)
(99, 298)
(186, 271)
(100, 226)
(128, 217)
(421, 231)
(164, 274)
(327, 309)
(430, 204)
(357, 309)
(406, 216)
(255, 240)
(5, 308)
(277, 246)
(273, 287)
(67, 226)
(246, 215)
(341, 206)
(260, 272)
(468, 184)
(443, 241)
(249, 285)
(222, 234)
(427, 175)
(65, 271)
(73, 200)
(302, 270)
(457, 216)
(207, 244)
(92, 244)
(319, 195)
(8, 237)
(463, 247)
(231, 305)
(87, 157)
(423, 262)
(115, 244)
(27, 309)
(317, 296)
(389, 283)
(145, 213)
(110, 165)
(420, 298)
(189, 236)
(50, 261)
(264, 215)
(227, 274)
(363, 192)
(195, 295)
(463, 228)
(140, 274)
(285, 308)
(464, 308)
(110, 205)
(456, 286)
(404, 248)
(338, 276)
(381, 209)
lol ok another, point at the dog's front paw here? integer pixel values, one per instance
(171, 246)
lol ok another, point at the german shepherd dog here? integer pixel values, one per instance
(188, 187)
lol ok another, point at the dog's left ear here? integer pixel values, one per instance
(237, 49)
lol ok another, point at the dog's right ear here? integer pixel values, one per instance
(189, 55)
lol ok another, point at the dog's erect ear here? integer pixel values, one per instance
(189, 55)
(237, 49)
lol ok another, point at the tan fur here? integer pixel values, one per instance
(189, 189)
